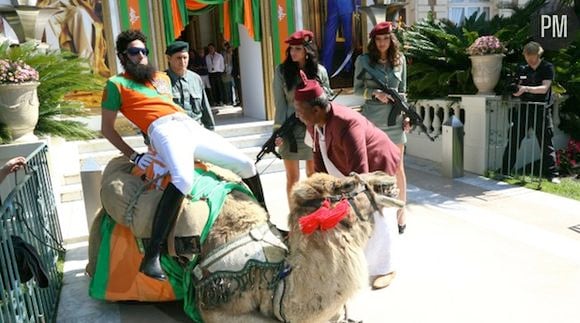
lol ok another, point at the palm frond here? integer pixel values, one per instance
(437, 49)
(73, 130)
(61, 73)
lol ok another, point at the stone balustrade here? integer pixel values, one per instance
(485, 122)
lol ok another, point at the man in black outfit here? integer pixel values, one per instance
(535, 87)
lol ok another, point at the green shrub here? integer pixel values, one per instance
(60, 73)
(436, 50)
(567, 63)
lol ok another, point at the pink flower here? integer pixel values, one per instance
(14, 72)
(486, 45)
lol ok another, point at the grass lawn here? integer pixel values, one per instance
(569, 187)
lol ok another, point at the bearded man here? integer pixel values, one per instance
(143, 95)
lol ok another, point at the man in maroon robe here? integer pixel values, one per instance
(345, 141)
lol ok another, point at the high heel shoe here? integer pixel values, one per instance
(402, 228)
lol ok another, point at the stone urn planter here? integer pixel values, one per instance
(486, 70)
(19, 109)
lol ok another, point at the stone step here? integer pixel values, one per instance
(233, 131)
(250, 144)
(243, 129)
(70, 179)
(103, 157)
(248, 141)
(71, 193)
(102, 144)
(248, 137)
(73, 190)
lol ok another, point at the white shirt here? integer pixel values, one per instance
(328, 164)
(215, 63)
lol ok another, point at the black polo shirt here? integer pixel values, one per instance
(531, 77)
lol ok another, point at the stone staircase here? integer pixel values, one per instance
(248, 136)
(245, 133)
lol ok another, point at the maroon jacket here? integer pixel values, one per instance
(354, 144)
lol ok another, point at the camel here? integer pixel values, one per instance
(318, 272)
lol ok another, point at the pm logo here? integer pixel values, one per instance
(555, 26)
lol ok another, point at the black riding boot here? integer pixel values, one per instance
(164, 220)
(255, 186)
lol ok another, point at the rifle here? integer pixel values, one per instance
(285, 131)
(398, 105)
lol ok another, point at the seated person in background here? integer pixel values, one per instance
(77, 26)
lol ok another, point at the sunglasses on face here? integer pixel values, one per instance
(133, 51)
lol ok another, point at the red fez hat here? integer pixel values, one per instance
(300, 37)
(308, 90)
(381, 28)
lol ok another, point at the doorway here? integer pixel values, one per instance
(247, 84)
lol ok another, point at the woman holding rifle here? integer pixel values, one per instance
(386, 60)
(300, 55)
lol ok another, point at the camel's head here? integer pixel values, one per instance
(327, 206)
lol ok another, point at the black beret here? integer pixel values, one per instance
(176, 47)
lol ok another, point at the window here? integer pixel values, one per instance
(460, 10)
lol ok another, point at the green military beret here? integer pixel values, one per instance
(176, 47)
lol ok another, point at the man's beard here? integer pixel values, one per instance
(140, 72)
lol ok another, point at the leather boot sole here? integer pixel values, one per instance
(383, 281)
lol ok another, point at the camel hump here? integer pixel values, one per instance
(118, 190)
(124, 198)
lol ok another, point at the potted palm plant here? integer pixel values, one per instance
(19, 99)
(486, 54)
(60, 74)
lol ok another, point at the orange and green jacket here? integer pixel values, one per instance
(140, 103)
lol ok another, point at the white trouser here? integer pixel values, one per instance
(179, 140)
(379, 248)
(379, 251)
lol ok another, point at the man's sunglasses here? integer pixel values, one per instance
(136, 50)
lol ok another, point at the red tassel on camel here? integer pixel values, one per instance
(324, 218)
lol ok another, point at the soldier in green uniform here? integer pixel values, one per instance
(187, 87)
(386, 62)
(300, 55)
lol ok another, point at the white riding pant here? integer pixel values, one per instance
(381, 247)
(179, 140)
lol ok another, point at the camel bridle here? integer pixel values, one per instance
(363, 187)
